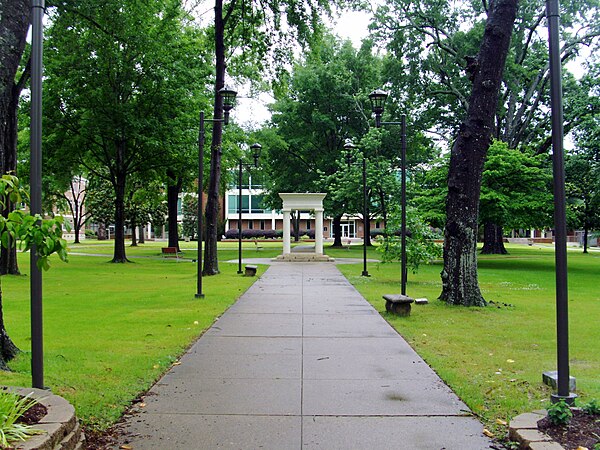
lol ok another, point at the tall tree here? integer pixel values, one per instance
(14, 24)
(323, 103)
(44, 234)
(582, 170)
(451, 32)
(245, 32)
(459, 277)
(516, 192)
(119, 76)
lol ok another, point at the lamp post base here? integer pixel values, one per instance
(199, 295)
(569, 399)
(365, 273)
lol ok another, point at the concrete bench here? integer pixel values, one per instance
(398, 304)
(250, 271)
(169, 251)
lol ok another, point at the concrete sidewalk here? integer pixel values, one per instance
(302, 361)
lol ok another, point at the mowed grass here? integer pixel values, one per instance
(111, 330)
(493, 357)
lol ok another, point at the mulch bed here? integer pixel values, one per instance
(582, 431)
(33, 415)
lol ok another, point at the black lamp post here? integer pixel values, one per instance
(349, 147)
(256, 148)
(560, 219)
(37, 338)
(228, 103)
(378, 98)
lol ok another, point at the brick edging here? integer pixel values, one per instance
(60, 427)
(524, 430)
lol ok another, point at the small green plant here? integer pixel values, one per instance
(12, 406)
(560, 413)
(592, 408)
(597, 446)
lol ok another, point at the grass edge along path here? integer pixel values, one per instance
(112, 330)
(493, 357)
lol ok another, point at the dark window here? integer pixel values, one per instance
(262, 224)
(250, 224)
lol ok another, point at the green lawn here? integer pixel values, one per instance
(111, 330)
(493, 357)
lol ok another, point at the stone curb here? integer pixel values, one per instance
(60, 428)
(523, 429)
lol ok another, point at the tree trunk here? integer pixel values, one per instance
(8, 350)
(459, 276)
(493, 240)
(14, 24)
(101, 232)
(133, 234)
(585, 239)
(337, 231)
(76, 230)
(295, 219)
(211, 262)
(172, 202)
(142, 234)
(119, 255)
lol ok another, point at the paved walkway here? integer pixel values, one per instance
(302, 361)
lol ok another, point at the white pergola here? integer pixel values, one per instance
(302, 201)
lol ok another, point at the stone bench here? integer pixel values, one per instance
(250, 271)
(398, 304)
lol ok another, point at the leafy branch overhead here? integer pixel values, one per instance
(30, 230)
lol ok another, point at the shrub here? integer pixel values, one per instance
(592, 408)
(231, 233)
(560, 413)
(251, 234)
(375, 232)
(90, 234)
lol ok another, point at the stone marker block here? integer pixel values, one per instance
(550, 378)
(421, 301)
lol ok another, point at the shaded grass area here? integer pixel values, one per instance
(111, 330)
(493, 357)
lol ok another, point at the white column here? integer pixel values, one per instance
(319, 231)
(287, 244)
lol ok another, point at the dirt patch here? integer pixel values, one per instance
(33, 415)
(582, 431)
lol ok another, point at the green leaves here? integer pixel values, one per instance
(45, 235)
(560, 413)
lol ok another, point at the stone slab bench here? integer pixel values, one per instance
(398, 304)
(250, 271)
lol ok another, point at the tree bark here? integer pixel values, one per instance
(493, 240)
(585, 239)
(133, 234)
(101, 232)
(119, 255)
(14, 24)
(142, 234)
(211, 262)
(337, 231)
(459, 277)
(172, 201)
